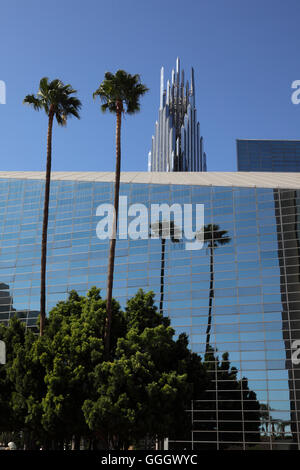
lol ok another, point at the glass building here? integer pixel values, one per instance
(268, 155)
(246, 292)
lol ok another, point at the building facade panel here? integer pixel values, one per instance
(253, 302)
(268, 155)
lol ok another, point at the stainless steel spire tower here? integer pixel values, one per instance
(177, 144)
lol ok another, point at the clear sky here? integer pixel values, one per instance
(245, 54)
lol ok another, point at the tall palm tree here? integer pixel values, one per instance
(164, 230)
(55, 99)
(213, 237)
(119, 93)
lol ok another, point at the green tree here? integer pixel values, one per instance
(142, 390)
(73, 346)
(59, 385)
(27, 376)
(57, 101)
(14, 337)
(148, 383)
(21, 385)
(119, 93)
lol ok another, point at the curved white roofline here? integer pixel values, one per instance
(235, 179)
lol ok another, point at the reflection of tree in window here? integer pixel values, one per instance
(164, 230)
(228, 413)
(213, 238)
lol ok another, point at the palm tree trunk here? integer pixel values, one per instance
(45, 224)
(211, 295)
(112, 246)
(162, 274)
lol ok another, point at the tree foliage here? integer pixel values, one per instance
(59, 385)
(54, 96)
(121, 87)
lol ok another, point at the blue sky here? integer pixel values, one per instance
(245, 55)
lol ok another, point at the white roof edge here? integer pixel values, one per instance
(210, 178)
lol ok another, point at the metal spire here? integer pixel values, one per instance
(177, 144)
(161, 88)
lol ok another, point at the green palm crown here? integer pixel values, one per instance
(55, 97)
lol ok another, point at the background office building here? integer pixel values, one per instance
(177, 144)
(268, 155)
(254, 303)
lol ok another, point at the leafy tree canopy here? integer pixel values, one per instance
(60, 385)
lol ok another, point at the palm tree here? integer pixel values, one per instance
(119, 93)
(55, 99)
(213, 237)
(164, 230)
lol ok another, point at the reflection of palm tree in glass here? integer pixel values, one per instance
(213, 237)
(164, 230)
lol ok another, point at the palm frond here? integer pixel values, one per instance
(44, 87)
(96, 93)
(33, 101)
(214, 237)
(55, 95)
(120, 87)
(166, 229)
(59, 119)
(106, 106)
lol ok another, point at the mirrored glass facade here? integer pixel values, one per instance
(246, 292)
(268, 155)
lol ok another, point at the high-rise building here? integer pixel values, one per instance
(177, 144)
(7, 310)
(252, 308)
(268, 155)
